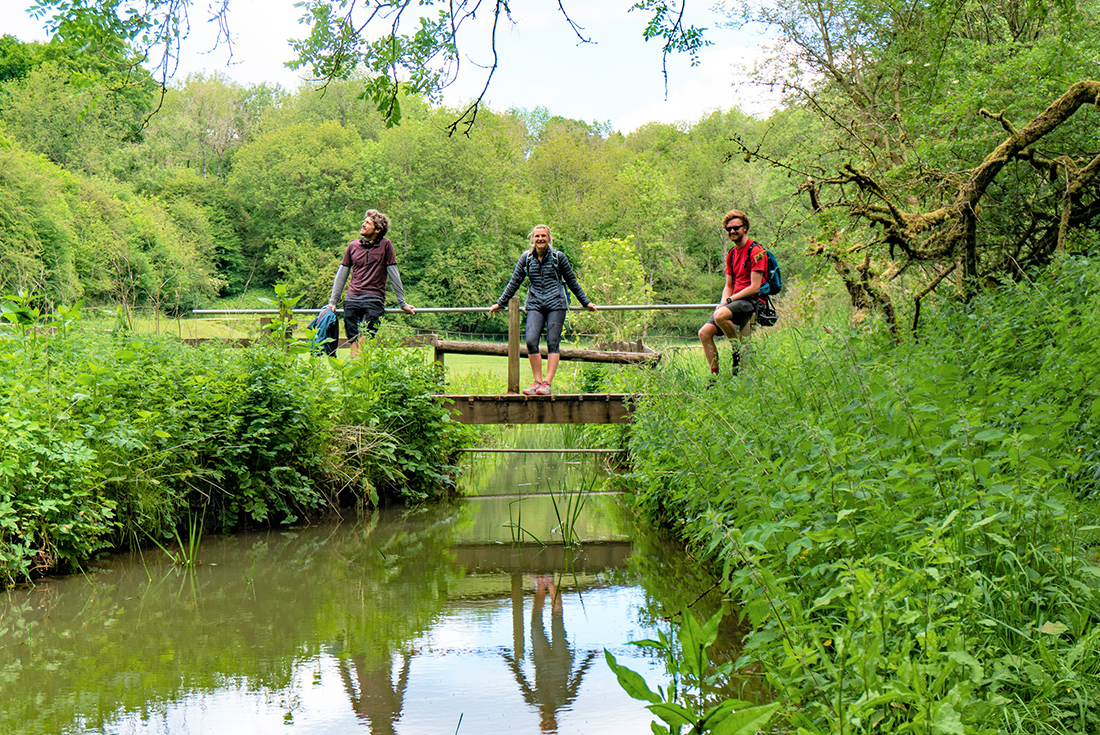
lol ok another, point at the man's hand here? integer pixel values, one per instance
(494, 307)
(408, 309)
(591, 307)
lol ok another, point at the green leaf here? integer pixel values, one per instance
(631, 681)
(746, 721)
(989, 435)
(676, 715)
(1052, 628)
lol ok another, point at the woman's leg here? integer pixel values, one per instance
(554, 323)
(535, 321)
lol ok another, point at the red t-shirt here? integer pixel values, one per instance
(735, 264)
(368, 267)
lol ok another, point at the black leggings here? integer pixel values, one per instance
(553, 319)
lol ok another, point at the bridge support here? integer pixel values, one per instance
(577, 408)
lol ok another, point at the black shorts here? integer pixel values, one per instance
(362, 310)
(740, 311)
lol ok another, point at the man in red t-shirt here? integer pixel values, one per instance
(746, 267)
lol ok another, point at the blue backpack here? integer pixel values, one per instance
(773, 277)
(327, 335)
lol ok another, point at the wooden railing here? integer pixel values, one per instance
(514, 350)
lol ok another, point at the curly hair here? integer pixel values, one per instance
(736, 214)
(381, 223)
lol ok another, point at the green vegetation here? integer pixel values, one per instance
(900, 488)
(910, 528)
(692, 698)
(109, 439)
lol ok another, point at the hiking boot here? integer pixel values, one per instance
(543, 389)
(736, 362)
(533, 389)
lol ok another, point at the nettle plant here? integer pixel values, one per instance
(690, 703)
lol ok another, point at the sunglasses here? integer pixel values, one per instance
(734, 228)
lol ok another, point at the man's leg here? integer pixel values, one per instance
(707, 334)
(351, 328)
(735, 321)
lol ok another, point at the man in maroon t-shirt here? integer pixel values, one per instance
(371, 262)
(746, 266)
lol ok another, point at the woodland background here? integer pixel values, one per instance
(903, 161)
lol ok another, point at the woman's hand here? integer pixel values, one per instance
(591, 307)
(494, 307)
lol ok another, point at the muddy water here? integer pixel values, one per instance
(466, 618)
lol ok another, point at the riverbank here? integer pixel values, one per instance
(910, 527)
(121, 439)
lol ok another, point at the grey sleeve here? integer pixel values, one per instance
(338, 285)
(395, 279)
(514, 283)
(570, 279)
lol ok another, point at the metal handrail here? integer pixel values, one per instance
(468, 309)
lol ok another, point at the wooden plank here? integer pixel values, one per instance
(594, 556)
(415, 340)
(500, 350)
(570, 408)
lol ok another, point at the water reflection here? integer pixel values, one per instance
(555, 685)
(375, 696)
(430, 621)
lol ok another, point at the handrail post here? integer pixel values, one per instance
(513, 345)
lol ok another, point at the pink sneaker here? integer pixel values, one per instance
(543, 389)
(533, 389)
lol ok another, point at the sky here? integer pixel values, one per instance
(617, 79)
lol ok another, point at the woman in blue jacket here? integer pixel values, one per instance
(548, 273)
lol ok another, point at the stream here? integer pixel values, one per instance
(466, 617)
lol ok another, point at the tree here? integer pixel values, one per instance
(916, 180)
(400, 45)
(304, 186)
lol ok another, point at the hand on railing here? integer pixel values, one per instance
(494, 308)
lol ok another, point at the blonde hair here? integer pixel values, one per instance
(531, 236)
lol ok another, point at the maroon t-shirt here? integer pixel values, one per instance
(368, 264)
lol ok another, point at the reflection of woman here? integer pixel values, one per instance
(556, 684)
(374, 696)
(548, 273)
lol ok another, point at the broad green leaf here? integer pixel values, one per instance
(1052, 628)
(746, 721)
(676, 715)
(631, 681)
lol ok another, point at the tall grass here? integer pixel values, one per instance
(909, 527)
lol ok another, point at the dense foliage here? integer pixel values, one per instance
(231, 187)
(119, 438)
(909, 527)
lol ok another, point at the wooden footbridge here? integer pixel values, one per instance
(513, 407)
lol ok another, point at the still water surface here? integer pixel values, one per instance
(466, 618)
